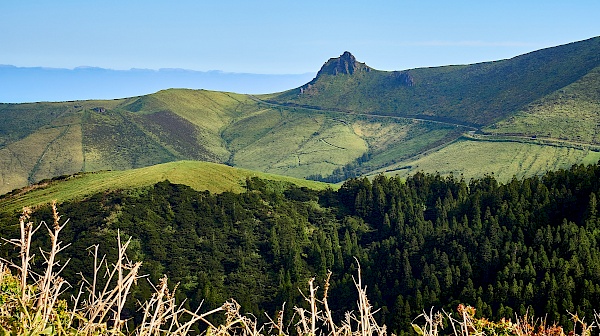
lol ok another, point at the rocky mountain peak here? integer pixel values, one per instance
(345, 64)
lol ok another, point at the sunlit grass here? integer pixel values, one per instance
(474, 159)
(198, 175)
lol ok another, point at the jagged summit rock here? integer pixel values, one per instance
(345, 64)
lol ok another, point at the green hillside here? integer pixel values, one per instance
(201, 125)
(527, 248)
(350, 120)
(504, 159)
(476, 94)
(571, 113)
(303, 142)
(200, 176)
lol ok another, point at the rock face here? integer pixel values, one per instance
(345, 64)
(402, 78)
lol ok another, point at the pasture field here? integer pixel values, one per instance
(474, 159)
(293, 142)
(571, 113)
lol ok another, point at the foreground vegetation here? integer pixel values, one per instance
(31, 304)
(528, 246)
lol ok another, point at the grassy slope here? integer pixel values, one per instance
(17, 121)
(473, 159)
(571, 113)
(44, 140)
(162, 127)
(293, 143)
(209, 111)
(301, 142)
(476, 94)
(39, 141)
(202, 125)
(198, 175)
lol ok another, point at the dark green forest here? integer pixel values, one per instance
(529, 245)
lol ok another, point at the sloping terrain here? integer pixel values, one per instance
(350, 120)
(213, 177)
(477, 94)
(51, 139)
(571, 113)
(70, 137)
(504, 159)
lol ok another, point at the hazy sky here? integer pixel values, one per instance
(281, 36)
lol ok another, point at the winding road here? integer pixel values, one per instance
(542, 141)
(269, 103)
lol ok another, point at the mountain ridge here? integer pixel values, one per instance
(476, 94)
(345, 64)
(349, 120)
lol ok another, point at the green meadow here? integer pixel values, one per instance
(505, 160)
(213, 177)
(571, 113)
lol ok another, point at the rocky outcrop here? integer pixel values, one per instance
(402, 78)
(345, 64)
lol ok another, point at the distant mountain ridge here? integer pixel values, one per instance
(36, 84)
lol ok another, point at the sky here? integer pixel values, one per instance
(282, 36)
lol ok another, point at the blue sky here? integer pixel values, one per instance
(280, 36)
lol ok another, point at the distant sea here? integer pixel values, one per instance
(36, 84)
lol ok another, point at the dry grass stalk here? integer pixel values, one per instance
(161, 310)
(586, 329)
(110, 300)
(307, 324)
(24, 246)
(467, 325)
(362, 325)
(332, 327)
(39, 310)
(435, 321)
(51, 283)
(278, 326)
(36, 301)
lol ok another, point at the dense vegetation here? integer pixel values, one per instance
(526, 245)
